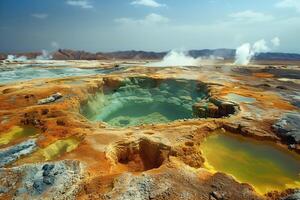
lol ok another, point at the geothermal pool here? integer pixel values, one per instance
(260, 164)
(145, 101)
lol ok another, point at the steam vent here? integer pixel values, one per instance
(118, 129)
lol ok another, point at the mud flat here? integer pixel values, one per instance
(150, 133)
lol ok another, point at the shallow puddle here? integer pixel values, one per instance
(239, 98)
(15, 133)
(145, 101)
(260, 164)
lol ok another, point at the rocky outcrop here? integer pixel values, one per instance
(177, 185)
(57, 180)
(67, 54)
(13, 153)
(288, 127)
(295, 196)
(214, 108)
(50, 99)
(144, 187)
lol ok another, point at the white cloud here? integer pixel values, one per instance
(86, 4)
(152, 18)
(260, 46)
(289, 4)
(149, 3)
(251, 16)
(275, 41)
(39, 15)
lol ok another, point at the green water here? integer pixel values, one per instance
(147, 113)
(145, 101)
(260, 164)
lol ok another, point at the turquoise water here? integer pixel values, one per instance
(239, 98)
(136, 114)
(145, 101)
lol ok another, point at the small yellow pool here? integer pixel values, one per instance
(259, 164)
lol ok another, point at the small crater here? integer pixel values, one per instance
(140, 155)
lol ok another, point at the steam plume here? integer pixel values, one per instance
(45, 55)
(15, 58)
(177, 58)
(246, 52)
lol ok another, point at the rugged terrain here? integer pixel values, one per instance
(227, 54)
(68, 156)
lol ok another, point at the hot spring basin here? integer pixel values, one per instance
(140, 100)
(260, 164)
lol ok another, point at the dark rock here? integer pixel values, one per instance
(13, 153)
(227, 108)
(60, 122)
(49, 180)
(38, 186)
(217, 195)
(45, 111)
(47, 169)
(288, 127)
(264, 85)
(295, 196)
(214, 109)
(281, 87)
(32, 118)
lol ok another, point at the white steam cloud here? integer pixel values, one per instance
(246, 52)
(276, 42)
(45, 56)
(177, 58)
(16, 58)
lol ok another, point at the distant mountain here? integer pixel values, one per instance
(67, 54)
(278, 56)
(224, 53)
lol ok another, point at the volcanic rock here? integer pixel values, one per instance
(50, 99)
(13, 153)
(57, 180)
(288, 127)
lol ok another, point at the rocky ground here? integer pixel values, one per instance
(71, 157)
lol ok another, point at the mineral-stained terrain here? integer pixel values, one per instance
(57, 140)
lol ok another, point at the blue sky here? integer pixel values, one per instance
(158, 25)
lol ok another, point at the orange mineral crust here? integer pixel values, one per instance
(138, 132)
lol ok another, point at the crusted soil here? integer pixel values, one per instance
(148, 161)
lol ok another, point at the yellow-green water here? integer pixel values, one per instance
(15, 133)
(51, 152)
(59, 147)
(260, 164)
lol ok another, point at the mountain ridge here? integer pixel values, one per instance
(68, 54)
